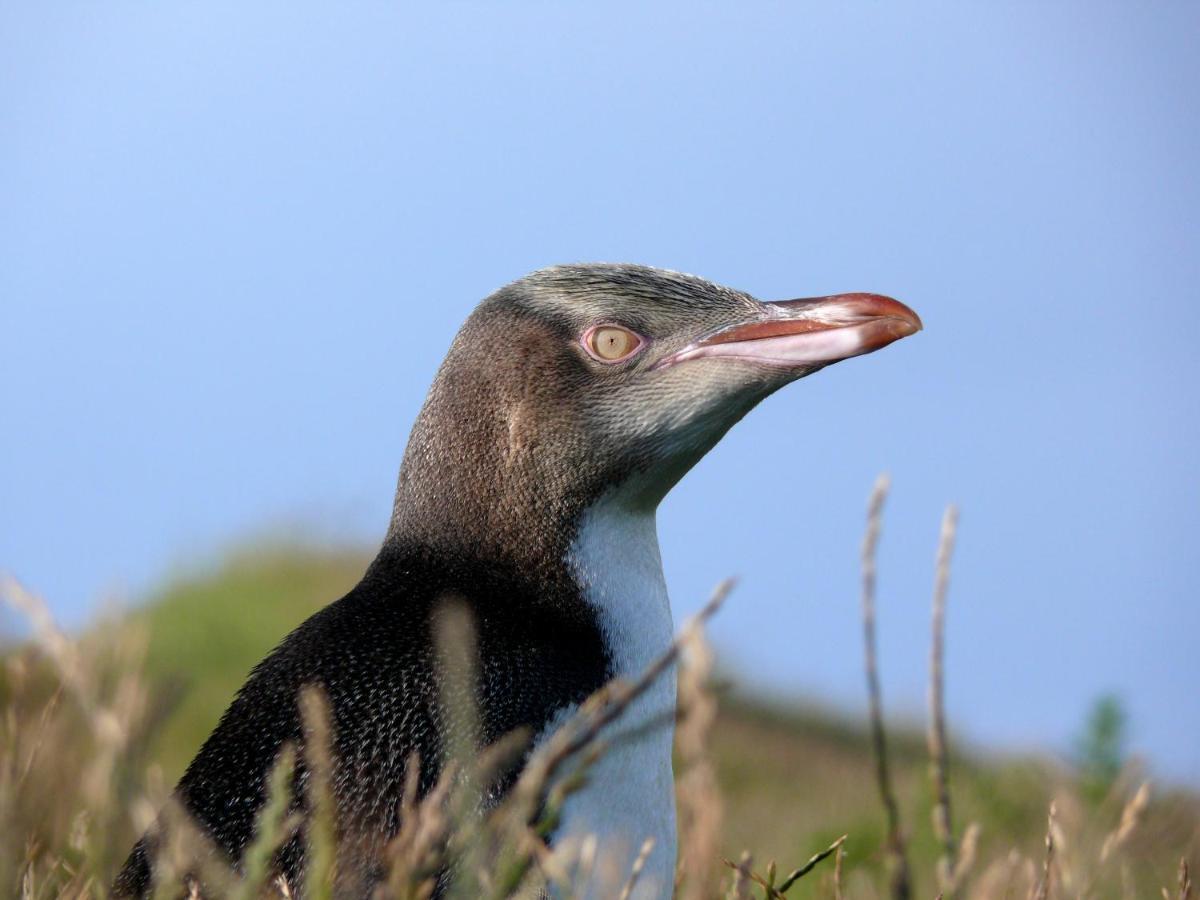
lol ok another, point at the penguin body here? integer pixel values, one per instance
(568, 405)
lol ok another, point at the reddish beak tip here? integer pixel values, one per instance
(816, 331)
(849, 309)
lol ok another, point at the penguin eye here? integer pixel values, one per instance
(611, 343)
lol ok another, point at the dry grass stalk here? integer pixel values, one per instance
(59, 649)
(455, 642)
(273, 828)
(457, 657)
(943, 828)
(739, 889)
(744, 876)
(999, 878)
(837, 871)
(320, 862)
(1131, 815)
(635, 871)
(39, 733)
(185, 856)
(743, 871)
(1043, 888)
(699, 800)
(968, 850)
(585, 859)
(414, 854)
(1185, 880)
(1128, 889)
(835, 847)
(896, 846)
(1070, 866)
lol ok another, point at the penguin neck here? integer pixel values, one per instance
(465, 493)
(475, 485)
(459, 512)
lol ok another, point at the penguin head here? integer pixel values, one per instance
(620, 378)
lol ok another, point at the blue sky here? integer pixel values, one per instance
(236, 239)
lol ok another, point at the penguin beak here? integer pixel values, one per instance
(816, 331)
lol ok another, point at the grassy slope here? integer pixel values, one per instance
(793, 779)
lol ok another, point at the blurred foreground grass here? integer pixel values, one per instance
(792, 780)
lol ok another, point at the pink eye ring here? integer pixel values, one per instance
(611, 343)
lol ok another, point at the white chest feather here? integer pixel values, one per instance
(630, 795)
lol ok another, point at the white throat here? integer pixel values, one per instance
(630, 795)
(615, 559)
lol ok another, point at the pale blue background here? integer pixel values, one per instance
(237, 239)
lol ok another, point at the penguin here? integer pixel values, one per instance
(568, 405)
